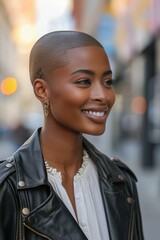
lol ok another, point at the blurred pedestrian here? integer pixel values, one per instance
(58, 185)
(18, 134)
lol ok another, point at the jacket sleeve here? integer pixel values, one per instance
(8, 207)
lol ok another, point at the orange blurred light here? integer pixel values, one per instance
(139, 105)
(8, 86)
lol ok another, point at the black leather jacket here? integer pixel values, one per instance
(31, 210)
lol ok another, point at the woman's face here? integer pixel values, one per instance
(81, 94)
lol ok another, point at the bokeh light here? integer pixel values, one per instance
(139, 105)
(8, 86)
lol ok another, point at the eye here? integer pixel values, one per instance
(108, 82)
(83, 82)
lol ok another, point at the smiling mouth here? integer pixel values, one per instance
(94, 113)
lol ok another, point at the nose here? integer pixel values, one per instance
(99, 93)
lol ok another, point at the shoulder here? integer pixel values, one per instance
(111, 166)
(124, 168)
(7, 167)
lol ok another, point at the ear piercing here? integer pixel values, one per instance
(46, 108)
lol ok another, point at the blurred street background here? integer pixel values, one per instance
(130, 32)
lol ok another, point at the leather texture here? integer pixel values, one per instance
(31, 210)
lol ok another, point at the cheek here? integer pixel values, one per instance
(68, 97)
(67, 104)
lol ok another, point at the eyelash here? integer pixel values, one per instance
(84, 81)
(109, 81)
(87, 82)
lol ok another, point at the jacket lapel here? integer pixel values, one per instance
(59, 221)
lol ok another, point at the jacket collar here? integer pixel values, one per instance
(30, 164)
(107, 169)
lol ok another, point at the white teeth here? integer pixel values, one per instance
(98, 114)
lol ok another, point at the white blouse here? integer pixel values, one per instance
(89, 206)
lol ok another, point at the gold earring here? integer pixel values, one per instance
(46, 108)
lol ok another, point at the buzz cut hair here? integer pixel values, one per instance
(48, 53)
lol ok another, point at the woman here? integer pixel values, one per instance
(58, 185)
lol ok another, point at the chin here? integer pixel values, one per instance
(95, 132)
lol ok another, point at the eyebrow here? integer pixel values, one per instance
(90, 72)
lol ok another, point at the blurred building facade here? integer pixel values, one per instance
(8, 53)
(16, 95)
(17, 37)
(138, 79)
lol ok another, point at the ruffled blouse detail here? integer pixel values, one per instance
(56, 174)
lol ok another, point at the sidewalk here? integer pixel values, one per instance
(149, 197)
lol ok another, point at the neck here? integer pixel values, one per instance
(62, 150)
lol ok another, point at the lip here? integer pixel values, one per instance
(97, 109)
(98, 115)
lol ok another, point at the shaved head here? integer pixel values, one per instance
(48, 53)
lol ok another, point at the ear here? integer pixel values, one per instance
(40, 89)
